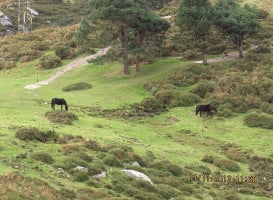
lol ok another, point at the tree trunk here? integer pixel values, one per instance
(138, 41)
(240, 48)
(205, 56)
(125, 51)
(137, 63)
(125, 62)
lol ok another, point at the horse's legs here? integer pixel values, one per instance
(53, 106)
(61, 106)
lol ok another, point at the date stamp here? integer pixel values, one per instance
(223, 178)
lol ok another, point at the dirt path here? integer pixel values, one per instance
(76, 63)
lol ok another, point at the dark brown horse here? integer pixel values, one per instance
(59, 101)
(205, 108)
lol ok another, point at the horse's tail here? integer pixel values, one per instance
(196, 110)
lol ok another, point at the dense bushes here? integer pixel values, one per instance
(50, 61)
(32, 133)
(259, 120)
(43, 157)
(64, 52)
(6, 64)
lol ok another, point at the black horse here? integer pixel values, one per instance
(205, 108)
(59, 101)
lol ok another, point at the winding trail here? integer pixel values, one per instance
(76, 63)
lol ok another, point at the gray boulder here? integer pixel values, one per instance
(137, 175)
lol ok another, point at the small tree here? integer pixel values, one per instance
(196, 16)
(148, 29)
(236, 21)
(117, 14)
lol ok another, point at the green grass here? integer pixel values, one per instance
(164, 134)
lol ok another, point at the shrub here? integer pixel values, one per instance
(267, 107)
(189, 75)
(175, 169)
(167, 96)
(187, 99)
(50, 61)
(154, 86)
(203, 88)
(4, 64)
(228, 165)
(259, 120)
(91, 144)
(77, 86)
(67, 194)
(58, 116)
(43, 157)
(95, 169)
(112, 161)
(80, 176)
(225, 110)
(208, 159)
(152, 105)
(64, 52)
(32, 133)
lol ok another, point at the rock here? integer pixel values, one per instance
(82, 169)
(135, 164)
(137, 175)
(99, 176)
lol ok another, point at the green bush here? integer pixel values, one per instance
(208, 159)
(225, 110)
(112, 161)
(91, 144)
(267, 107)
(167, 96)
(43, 157)
(189, 75)
(187, 99)
(64, 52)
(154, 86)
(203, 88)
(152, 105)
(32, 133)
(259, 120)
(50, 61)
(77, 86)
(80, 176)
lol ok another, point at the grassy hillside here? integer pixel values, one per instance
(142, 121)
(169, 147)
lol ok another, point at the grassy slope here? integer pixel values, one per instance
(111, 89)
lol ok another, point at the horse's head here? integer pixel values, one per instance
(213, 108)
(66, 107)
